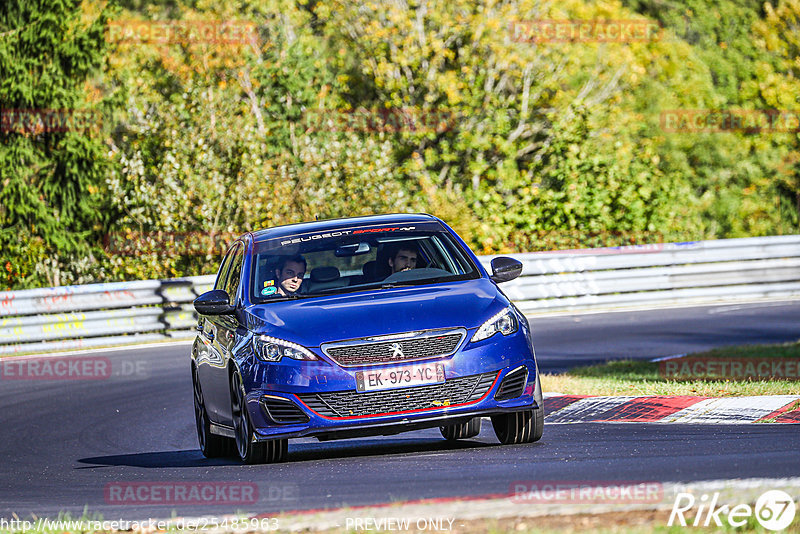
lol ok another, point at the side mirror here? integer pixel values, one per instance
(505, 269)
(214, 302)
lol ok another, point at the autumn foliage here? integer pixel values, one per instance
(526, 125)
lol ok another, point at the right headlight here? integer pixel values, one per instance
(504, 322)
(272, 349)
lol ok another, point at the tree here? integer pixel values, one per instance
(511, 151)
(739, 178)
(220, 138)
(52, 160)
(779, 33)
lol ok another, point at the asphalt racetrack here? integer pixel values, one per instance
(66, 444)
(567, 341)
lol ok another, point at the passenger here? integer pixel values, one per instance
(403, 259)
(289, 274)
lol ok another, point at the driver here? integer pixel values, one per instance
(289, 274)
(403, 259)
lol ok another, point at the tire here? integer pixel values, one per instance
(211, 445)
(249, 451)
(519, 427)
(470, 429)
(276, 450)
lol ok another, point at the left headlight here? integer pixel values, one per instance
(504, 322)
(272, 349)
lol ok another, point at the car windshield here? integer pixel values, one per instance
(356, 259)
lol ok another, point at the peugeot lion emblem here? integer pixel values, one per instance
(397, 352)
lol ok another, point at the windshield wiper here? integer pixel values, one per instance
(392, 285)
(281, 298)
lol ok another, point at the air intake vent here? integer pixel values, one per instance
(455, 391)
(283, 411)
(513, 384)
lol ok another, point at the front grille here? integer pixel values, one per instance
(283, 411)
(513, 384)
(461, 390)
(401, 348)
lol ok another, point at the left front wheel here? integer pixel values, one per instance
(211, 445)
(519, 427)
(251, 451)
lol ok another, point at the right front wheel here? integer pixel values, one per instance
(519, 427)
(467, 430)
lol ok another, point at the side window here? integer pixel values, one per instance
(232, 285)
(223, 271)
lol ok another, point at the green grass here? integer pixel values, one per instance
(628, 377)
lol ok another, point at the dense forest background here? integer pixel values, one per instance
(177, 124)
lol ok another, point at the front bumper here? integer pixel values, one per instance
(310, 386)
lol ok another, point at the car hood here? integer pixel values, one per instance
(314, 321)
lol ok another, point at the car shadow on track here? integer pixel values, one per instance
(311, 451)
(161, 459)
(305, 450)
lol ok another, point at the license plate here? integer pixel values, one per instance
(400, 377)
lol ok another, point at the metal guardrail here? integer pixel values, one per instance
(69, 317)
(658, 275)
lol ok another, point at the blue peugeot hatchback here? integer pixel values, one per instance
(356, 327)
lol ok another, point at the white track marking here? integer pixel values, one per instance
(586, 409)
(95, 351)
(782, 301)
(672, 357)
(730, 410)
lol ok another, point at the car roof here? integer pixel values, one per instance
(345, 222)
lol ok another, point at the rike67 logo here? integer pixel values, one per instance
(774, 510)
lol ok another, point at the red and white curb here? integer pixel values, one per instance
(672, 409)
